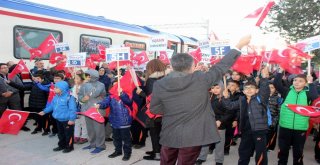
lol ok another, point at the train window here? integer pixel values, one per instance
(89, 43)
(26, 38)
(173, 46)
(135, 46)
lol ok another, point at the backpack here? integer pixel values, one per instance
(268, 110)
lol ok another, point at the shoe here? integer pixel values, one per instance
(226, 153)
(97, 150)
(149, 152)
(82, 141)
(126, 157)
(109, 139)
(199, 161)
(35, 131)
(210, 151)
(26, 129)
(58, 149)
(115, 154)
(52, 135)
(76, 140)
(67, 150)
(87, 148)
(218, 163)
(155, 156)
(233, 143)
(138, 146)
(318, 161)
(45, 133)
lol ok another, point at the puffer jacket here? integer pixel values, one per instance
(63, 106)
(39, 94)
(94, 89)
(256, 110)
(120, 110)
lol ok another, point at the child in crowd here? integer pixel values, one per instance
(293, 127)
(89, 94)
(223, 118)
(274, 106)
(253, 122)
(120, 119)
(80, 129)
(64, 111)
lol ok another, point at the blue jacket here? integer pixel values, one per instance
(63, 106)
(120, 111)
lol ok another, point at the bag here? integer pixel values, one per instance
(266, 107)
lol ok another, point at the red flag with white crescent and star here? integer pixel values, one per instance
(47, 45)
(94, 114)
(12, 121)
(309, 111)
(20, 67)
(164, 57)
(56, 57)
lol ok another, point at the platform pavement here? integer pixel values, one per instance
(27, 149)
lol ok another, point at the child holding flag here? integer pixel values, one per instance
(64, 111)
(120, 119)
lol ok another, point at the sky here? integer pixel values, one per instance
(225, 16)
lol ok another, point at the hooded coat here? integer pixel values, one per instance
(183, 99)
(63, 106)
(94, 89)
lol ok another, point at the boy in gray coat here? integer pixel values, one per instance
(91, 93)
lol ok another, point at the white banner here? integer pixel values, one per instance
(76, 59)
(158, 43)
(114, 54)
(62, 47)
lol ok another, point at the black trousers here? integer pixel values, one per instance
(138, 133)
(253, 141)
(288, 137)
(53, 122)
(12, 102)
(229, 136)
(155, 135)
(317, 147)
(65, 134)
(272, 138)
(121, 139)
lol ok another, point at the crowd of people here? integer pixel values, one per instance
(187, 110)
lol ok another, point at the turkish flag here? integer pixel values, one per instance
(316, 102)
(12, 121)
(94, 114)
(112, 65)
(298, 49)
(256, 62)
(243, 65)
(20, 67)
(132, 54)
(164, 57)
(265, 12)
(197, 55)
(47, 45)
(90, 63)
(141, 58)
(96, 57)
(60, 66)
(35, 53)
(126, 83)
(255, 14)
(102, 49)
(309, 111)
(291, 68)
(55, 57)
(214, 60)
(51, 93)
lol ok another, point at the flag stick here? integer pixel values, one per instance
(309, 66)
(118, 73)
(225, 82)
(319, 75)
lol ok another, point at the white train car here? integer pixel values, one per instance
(25, 25)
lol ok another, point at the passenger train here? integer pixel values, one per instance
(25, 24)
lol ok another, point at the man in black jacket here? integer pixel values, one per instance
(9, 90)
